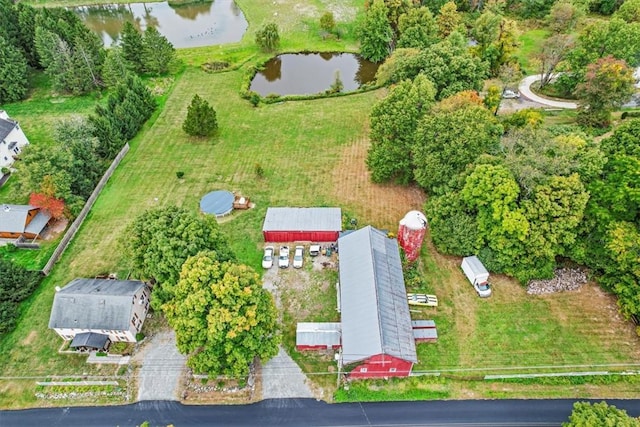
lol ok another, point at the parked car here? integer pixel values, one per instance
(314, 250)
(483, 289)
(267, 258)
(510, 94)
(422, 299)
(298, 257)
(283, 258)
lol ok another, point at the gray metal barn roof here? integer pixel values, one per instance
(373, 299)
(94, 304)
(312, 334)
(303, 219)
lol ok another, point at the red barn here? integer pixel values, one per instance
(377, 334)
(302, 224)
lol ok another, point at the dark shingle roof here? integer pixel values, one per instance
(89, 339)
(6, 126)
(373, 299)
(94, 304)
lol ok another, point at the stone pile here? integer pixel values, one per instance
(565, 279)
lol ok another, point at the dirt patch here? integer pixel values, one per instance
(383, 204)
(29, 338)
(54, 229)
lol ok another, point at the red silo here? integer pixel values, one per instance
(411, 234)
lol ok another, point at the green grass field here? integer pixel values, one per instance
(312, 153)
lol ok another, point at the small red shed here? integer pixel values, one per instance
(302, 224)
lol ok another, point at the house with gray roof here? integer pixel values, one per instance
(22, 220)
(12, 139)
(377, 333)
(89, 311)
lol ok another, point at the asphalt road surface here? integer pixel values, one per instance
(309, 412)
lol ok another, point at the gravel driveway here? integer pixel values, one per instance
(162, 367)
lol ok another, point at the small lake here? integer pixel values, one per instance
(311, 73)
(190, 25)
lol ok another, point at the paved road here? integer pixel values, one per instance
(309, 412)
(525, 91)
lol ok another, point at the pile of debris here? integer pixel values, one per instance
(565, 279)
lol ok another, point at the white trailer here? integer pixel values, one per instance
(477, 274)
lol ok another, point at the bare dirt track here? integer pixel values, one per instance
(383, 204)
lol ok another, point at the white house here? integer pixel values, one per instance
(12, 139)
(90, 311)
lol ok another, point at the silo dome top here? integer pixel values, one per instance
(414, 220)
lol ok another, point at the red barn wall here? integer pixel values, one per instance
(300, 236)
(382, 365)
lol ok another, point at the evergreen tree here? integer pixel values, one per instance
(27, 20)
(13, 73)
(115, 68)
(157, 52)
(132, 47)
(201, 118)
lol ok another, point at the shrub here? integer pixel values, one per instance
(180, 174)
(139, 336)
(259, 170)
(268, 38)
(327, 22)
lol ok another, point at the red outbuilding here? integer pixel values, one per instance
(377, 334)
(302, 224)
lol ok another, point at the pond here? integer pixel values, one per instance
(311, 73)
(190, 25)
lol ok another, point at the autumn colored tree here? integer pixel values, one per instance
(48, 203)
(608, 83)
(222, 316)
(449, 19)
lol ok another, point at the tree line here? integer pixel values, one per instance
(522, 196)
(56, 41)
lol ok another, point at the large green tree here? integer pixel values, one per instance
(447, 141)
(13, 73)
(222, 316)
(585, 414)
(132, 47)
(417, 28)
(375, 33)
(201, 118)
(394, 120)
(160, 240)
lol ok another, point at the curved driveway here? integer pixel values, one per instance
(525, 90)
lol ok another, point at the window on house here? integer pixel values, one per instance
(363, 369)
(392, 369)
